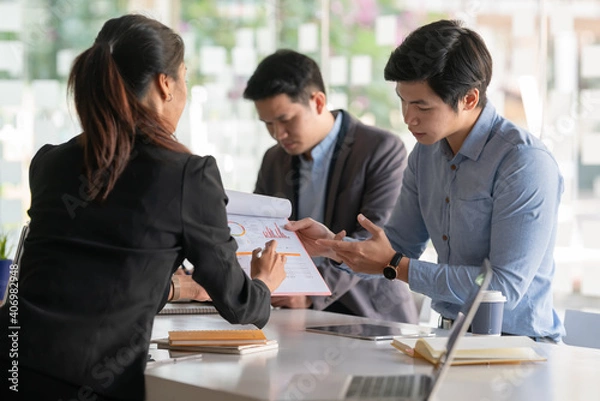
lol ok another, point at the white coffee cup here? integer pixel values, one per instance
(488, 319)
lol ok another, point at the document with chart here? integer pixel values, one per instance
(254, 220)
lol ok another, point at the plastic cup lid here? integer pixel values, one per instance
(493, 296)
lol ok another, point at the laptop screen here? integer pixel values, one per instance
(462, 322)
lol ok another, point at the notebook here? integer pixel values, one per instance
(473, 350)
(163, 343)
(411, 387)
(188, 308)
(217, 337)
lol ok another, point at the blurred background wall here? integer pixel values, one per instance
(546, 78)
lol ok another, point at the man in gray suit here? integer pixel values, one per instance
(331, 167)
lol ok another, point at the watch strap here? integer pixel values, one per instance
(176, 288)
(396, 259)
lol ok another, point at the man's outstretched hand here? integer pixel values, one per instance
(309, 231)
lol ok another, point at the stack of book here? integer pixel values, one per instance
(217, 341)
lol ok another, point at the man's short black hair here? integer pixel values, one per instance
(285, 72)
(450, 58)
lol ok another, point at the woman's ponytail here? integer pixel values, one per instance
(103, 104)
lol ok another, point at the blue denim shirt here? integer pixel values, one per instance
(497, 197)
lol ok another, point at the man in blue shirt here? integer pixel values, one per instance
(476, 184)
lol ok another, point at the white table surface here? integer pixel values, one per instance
(570, 373)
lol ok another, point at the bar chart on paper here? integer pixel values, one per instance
(274, 233)
(253, 226)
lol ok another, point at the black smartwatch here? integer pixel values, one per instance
(390, 271)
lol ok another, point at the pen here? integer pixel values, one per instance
(185, 269)
(154, 363)
(244, 253)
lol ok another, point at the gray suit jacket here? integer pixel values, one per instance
(365, 176)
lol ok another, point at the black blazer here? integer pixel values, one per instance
(94, 274)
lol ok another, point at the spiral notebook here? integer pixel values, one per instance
(188, 308)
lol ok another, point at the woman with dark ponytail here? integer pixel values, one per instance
(114, 212)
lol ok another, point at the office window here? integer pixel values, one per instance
(546, 78)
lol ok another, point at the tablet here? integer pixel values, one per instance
(364, 331)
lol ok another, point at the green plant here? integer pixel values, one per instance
(4, 248)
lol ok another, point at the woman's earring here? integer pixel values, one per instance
(170, 97)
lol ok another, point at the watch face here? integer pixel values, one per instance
(389, 272)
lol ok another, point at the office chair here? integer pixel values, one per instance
(582, 328)
(16, 261)
(423, 304)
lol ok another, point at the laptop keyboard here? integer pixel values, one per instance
(387, 386)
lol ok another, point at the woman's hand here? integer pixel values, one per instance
(268, 266)
(188, 288)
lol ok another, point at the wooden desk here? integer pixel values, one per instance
(571, 373)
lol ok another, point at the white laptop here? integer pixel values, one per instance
(412, 387)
